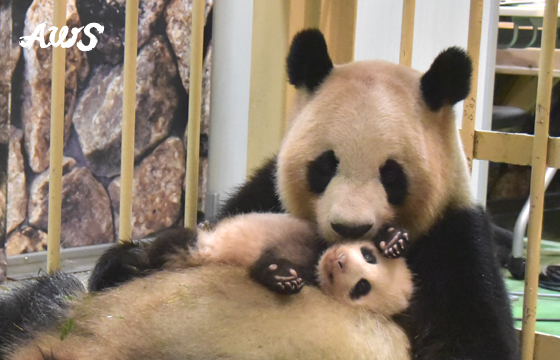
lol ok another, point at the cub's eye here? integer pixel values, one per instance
(368, 255)
(362, 288)
(394, 181)
(320, 172)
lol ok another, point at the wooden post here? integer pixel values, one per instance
(469, 105)
(129, 120)
(407, 32)
(267, 101)
(56, 142)
(338, 24)
(540, 149)
(193, 128)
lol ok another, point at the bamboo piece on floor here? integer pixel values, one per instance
(128, 120)
(407, 32)
(469, 105)
(56, 142)
(540, 149)
(193, 127)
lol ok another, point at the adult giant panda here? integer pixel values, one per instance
(370, 143)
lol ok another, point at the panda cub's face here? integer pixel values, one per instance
(355, 274)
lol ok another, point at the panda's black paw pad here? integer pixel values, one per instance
(393, 242)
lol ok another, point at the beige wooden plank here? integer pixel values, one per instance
(503, 147)
(193, 125)
(56, 143)
(267, 103)
(538, 169)
(469, 105)
(523, 61)
(338, 24)
(547, 346)
(553, 157)
(512, 148)
(128, 120)
(407, 32)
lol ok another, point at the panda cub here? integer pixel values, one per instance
(353, 273)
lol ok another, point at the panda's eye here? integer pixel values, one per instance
(394, 181)
(362, 288)
(368, 255)
(320, 171)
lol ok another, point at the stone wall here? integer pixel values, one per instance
(93, 113)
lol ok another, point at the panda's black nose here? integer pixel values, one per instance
(351, 231)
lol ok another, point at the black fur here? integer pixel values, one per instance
(394, 181)
(279, 279)
(34, 307)
(320, 172)
(308, 61)
(261, 186)
(168, 243)
(118, 264)
(460, 308)
(260, 271)
(448, 80)
(124, 262)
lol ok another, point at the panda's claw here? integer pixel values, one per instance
(277, 274)
(392, 242)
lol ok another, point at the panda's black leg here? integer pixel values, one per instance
(277, 274)
(119, 264)
(125, 261)
(392, 241)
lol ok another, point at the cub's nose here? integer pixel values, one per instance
(351, 231)
(341, 260)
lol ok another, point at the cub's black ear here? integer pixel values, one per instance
(448, 80)
(308, 61)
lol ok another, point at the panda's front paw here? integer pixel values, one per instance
(279, 275)
(392, 241)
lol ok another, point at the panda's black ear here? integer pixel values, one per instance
(448, 80)
(308, 61)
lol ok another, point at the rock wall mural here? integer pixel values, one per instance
(93, 112)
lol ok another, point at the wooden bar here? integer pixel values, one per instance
(503, 147)
(56, 142)
(540, 150)
(267, 101)
(512, 148)
(469, 105)
(407, 32)
(129, 120)
(193, 128)
(338, 24)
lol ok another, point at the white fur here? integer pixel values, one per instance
(217, 312)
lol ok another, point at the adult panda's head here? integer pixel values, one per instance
(372, 142)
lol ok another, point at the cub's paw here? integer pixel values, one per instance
(118, 265)
(392, 241)
(279, 275)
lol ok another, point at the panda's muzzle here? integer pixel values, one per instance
(351, 231)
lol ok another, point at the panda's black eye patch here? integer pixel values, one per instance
(362, 288)
(368, 255)
(320, 171)
(394, 181)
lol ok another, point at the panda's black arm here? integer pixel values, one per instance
(125, 261)
(460, 308)
(258, 194)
